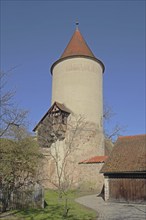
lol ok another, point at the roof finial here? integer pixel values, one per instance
(77, 24)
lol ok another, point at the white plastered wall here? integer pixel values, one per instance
(77, 83)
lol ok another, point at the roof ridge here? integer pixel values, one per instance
(132, 136)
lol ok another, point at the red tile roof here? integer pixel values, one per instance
(77, 46)
(96, 159)
(128, 155)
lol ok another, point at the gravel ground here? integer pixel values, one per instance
(113, 211)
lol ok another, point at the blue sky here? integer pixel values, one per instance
(34, 34)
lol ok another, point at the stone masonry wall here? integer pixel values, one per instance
(86, 144)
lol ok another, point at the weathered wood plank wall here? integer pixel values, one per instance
(127, 189)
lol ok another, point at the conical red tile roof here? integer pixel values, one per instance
(77, 46)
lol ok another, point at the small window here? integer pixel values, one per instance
(64, 119)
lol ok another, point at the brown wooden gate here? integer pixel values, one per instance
(127, 189)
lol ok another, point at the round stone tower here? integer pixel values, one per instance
(77, 80)
(76, 91)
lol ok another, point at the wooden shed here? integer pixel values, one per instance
(125, 170)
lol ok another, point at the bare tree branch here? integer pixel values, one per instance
(60, 151)
(117, 130)
(9, 113)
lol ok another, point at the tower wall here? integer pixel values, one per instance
(77, 83)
